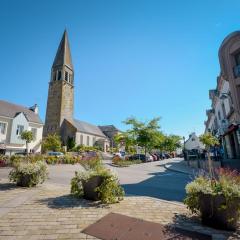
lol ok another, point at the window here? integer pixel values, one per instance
(3, 127)
(54, 76)
(224, 110)
(20, 129)
(193, 139)
(81, 140)
(59, 75)
(237, 59)
(70, 78)
(66, 76)
(94, 140)
(34, 133)
(219, 115)
(88, 140)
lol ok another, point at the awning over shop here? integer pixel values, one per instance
(231, 129)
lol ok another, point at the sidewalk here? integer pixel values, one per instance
(49, 212)
(180, 166)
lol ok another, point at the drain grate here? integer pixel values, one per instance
(120, 227)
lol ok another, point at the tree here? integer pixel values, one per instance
(144, 134)
(28, 137)
(209, 141)
(70, 143)
(125, 139)
(52, 142)
(171, 143)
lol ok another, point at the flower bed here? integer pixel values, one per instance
(116, 160)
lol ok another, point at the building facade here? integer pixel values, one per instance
(60, 104)
(223, 118)
(15, 119)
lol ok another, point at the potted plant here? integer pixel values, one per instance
(98, 184)
(26, 174)
(216, 198)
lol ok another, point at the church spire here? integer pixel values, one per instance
(63, 56)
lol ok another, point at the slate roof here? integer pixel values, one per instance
(87, 128)
(10, 110)
(108, 128)
(63, 56)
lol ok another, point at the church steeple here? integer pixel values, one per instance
(63, 56)
(62, 68)
(61, 89)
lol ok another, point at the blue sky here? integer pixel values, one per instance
(131, 57)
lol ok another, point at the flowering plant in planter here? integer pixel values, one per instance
(97, 184)
(216, 198)
(28, 174)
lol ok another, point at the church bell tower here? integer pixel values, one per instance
(61, 89)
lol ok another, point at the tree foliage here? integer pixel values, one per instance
(51, 143)
(208, 140)
(28, 137)
(143, 134)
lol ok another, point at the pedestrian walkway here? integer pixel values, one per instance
(179, 165)
(49, 212)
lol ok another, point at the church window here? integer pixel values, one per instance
(81, 140)
(88, 140)
(59, 75)
(54, 76)
(70, 78)
(66, 76)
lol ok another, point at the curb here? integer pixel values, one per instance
(174, 170)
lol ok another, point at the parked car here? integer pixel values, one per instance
(155, 157)
(56, 154)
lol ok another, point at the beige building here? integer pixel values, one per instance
(60, 104)
(224, 116)
(15, 119)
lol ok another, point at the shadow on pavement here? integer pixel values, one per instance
(69, 201)
(166, 185)
(7, 186)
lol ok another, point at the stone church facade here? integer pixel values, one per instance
(60, 104)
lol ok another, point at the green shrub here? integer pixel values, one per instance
(29, 174)
(225, 182)
(109, 191)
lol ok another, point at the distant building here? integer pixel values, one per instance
(60, 104)
(15, 119)
(110, 131)
(193, 143)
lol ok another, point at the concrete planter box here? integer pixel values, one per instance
(214, 214)
(89, 187)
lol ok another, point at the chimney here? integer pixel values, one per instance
(34, 108)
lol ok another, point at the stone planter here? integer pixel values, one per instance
(216, 215)
(24, 181)
(89, 187)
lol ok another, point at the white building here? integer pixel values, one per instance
(193, 143)
(15, 119)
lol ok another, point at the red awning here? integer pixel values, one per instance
(230, 129)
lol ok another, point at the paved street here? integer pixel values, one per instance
(148, 179)
(48, 211)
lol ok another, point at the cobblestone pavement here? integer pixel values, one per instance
(49, 212)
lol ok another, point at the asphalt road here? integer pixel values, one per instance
(147, 179)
